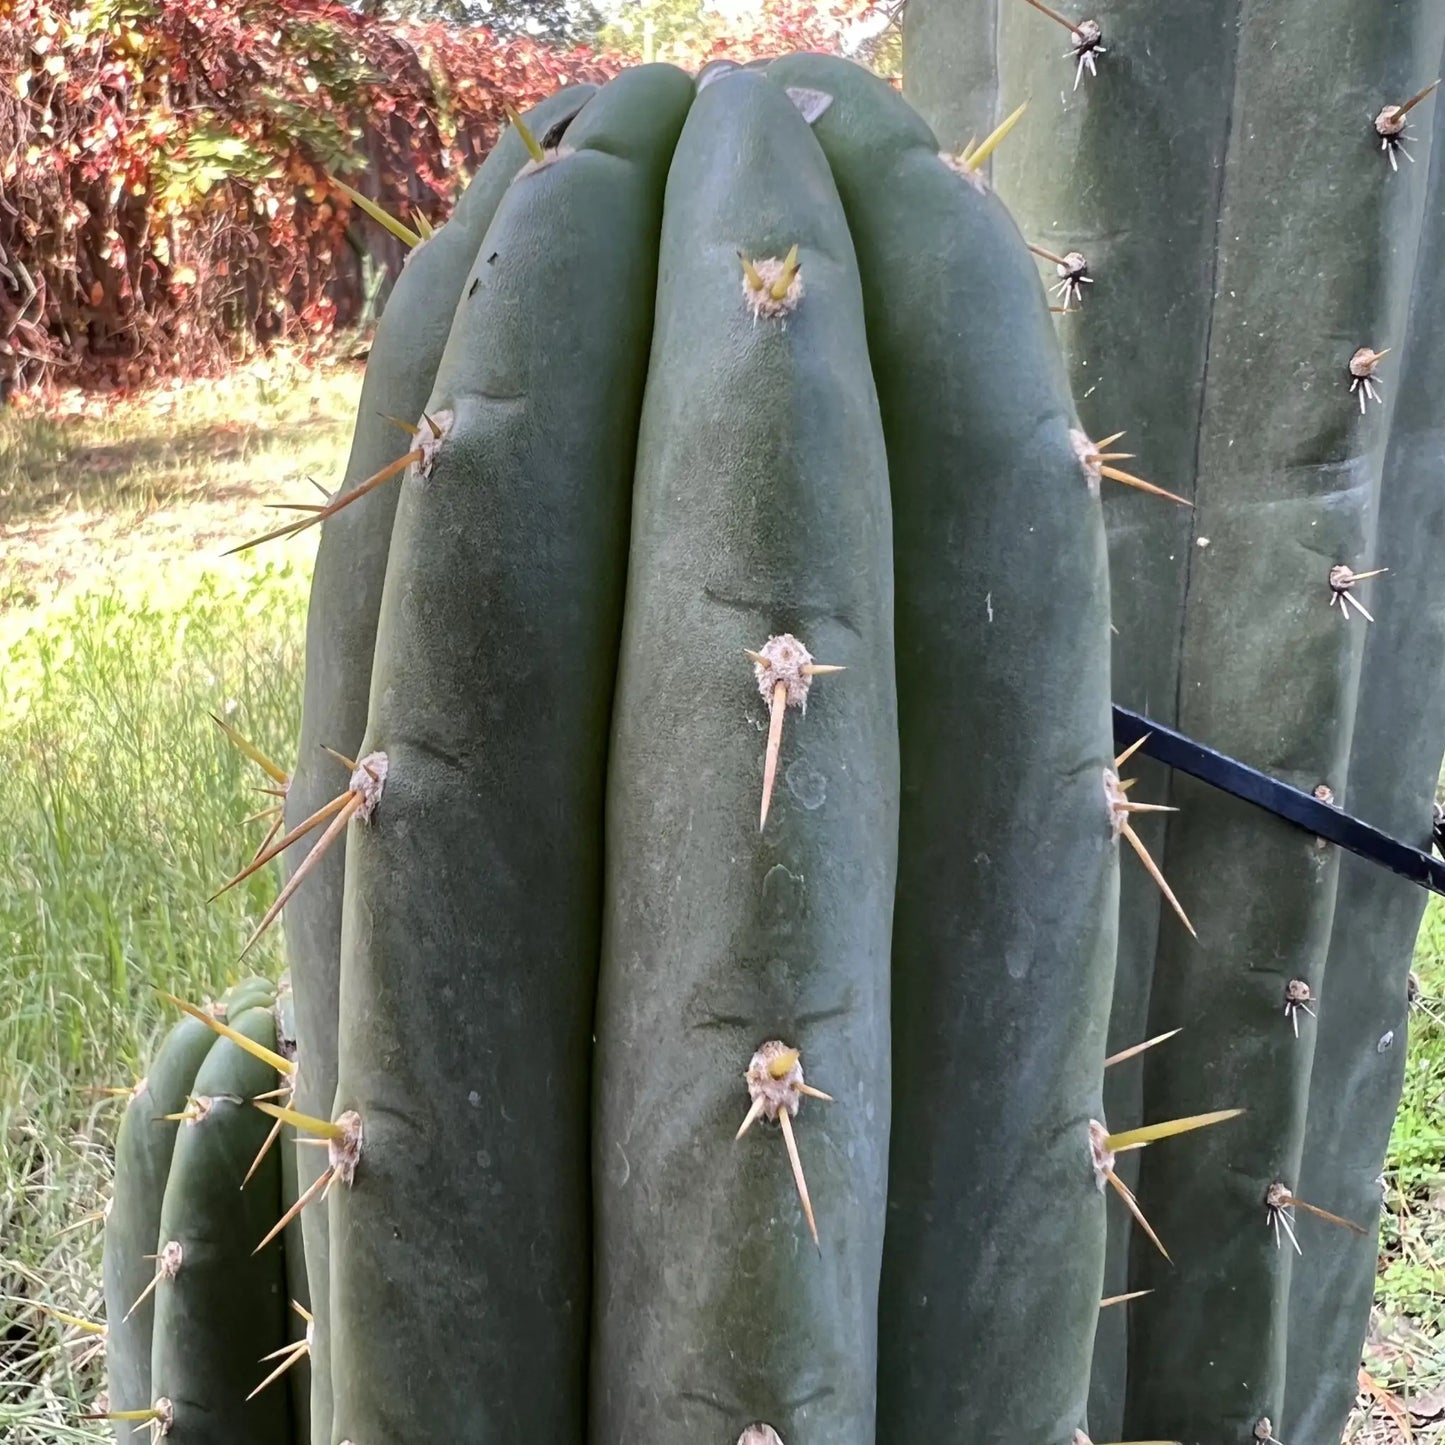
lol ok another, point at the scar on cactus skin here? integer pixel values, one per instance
(1086, 40)
(1135, 1049)
(1363, 381)
(368, 779)
(1297, 1000)
(785, 671)
(1342, 579)
(289, 1355)
(168, 1266)
(771, 287)
(775, 1084)
(969, 161)
(280, 779)
(1073, 269)
(159, 1417)
(1104, 1146)
(1092, 457)
(1390, 126)
(423, 454)
(342, 1142)
(1278, 1201)
(1116, 794)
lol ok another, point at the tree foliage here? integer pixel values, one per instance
(167, 166)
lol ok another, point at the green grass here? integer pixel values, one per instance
(1407, 1348)
(123, 808)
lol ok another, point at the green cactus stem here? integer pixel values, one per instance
(1003, 931)
(1186, 156)
(341, 634)
(220, 1306)
(144, 1144)
(473, 893)
(1359, 1059)
(738, 1268)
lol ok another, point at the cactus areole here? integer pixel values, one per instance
(708, 832)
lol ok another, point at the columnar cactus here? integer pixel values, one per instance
(196, 1285)
(1235, 244)
(705, 956)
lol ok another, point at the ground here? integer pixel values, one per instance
(121, 627)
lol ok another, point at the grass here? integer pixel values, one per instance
(1406, 1350)
(120, 628)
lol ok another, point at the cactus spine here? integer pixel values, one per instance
(1191, 152)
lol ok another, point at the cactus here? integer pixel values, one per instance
(341, 636)
(1360, 1035)
(1172, 147)
(195, 1287)
(735, 642)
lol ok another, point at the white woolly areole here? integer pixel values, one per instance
(203, 1104)
(965, 172)
(344, 1154)
(170, 1259)
(1117, 800)
(1277, 1196)
(1297, 991)
(762, 302)
(775, 1094)
(786, 659)
(1086, 451)
(1101, 1156)
(1342, 578)
(760, 1435)
(1391, 121)
(1364, 361)
(428, 440)
(1081, 1439)
(165, 1415)
(368, 780)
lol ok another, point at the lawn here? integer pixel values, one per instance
(121, 629)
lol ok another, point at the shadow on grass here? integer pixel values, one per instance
(55, 467)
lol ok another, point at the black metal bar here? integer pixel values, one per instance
(1292, 804)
